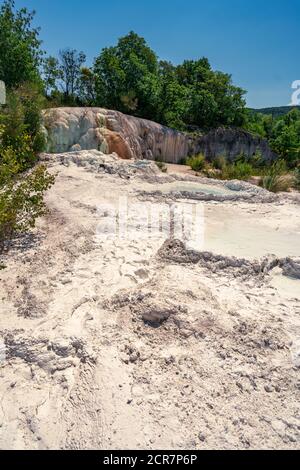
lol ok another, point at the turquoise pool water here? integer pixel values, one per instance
(182, 186)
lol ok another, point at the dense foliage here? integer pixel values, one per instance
(277, 111)
(21, 193)
(127, 77)
(274, 177)
(283, 133)
(22, 182)
(20, 53)
(130, 78)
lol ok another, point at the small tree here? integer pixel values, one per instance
(127, 77)
(71, 62)
(87, 92)
(21, 194)
(51, 74)
(21, 118)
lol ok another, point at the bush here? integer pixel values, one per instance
(197, 162)
(21, 118)
(275, 178)
(21, 196)
(257, 160)
(232, 171)
(238, 171)
(219, 163)
(162, 166)
(296, 182)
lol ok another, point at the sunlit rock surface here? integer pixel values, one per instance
(72, 129)
(110, 131)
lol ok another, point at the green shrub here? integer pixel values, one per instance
(21, 196)
(257, 160)
(234, 171)
(239, 171)
(197, 162)
(296, 182)
(162, 166)
(275, 178)
(219, 163)
(21, 118)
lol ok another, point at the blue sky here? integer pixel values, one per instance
(257, 41)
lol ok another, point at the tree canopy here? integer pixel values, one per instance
(130, 78)
(283, 132)
(127, 77)
(20, 52)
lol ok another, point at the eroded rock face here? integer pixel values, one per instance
(74, 129)
(233, 142)
(70, 129)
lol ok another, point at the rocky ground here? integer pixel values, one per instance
(116, 339)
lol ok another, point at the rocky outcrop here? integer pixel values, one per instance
(71, 129)
(233, 142)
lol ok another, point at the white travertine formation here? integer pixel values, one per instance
(71, 129)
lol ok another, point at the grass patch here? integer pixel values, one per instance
(238, 171)
(197, 162)
(276, 178)
(296, 181)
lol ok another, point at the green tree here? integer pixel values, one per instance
(87, 92)
(127, 77)
(51, 74)
(259, 124)
(173, 103)
(21, 118)
(20, 51)
(70, 64)
(21, 197)
(213, 99)
(285, 137)
(21, 194)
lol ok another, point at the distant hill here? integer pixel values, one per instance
(276, 111)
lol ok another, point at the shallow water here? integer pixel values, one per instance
(287, 287)
(182, 186)
(232, 232)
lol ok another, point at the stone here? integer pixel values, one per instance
(201, 437)
(75, 129)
